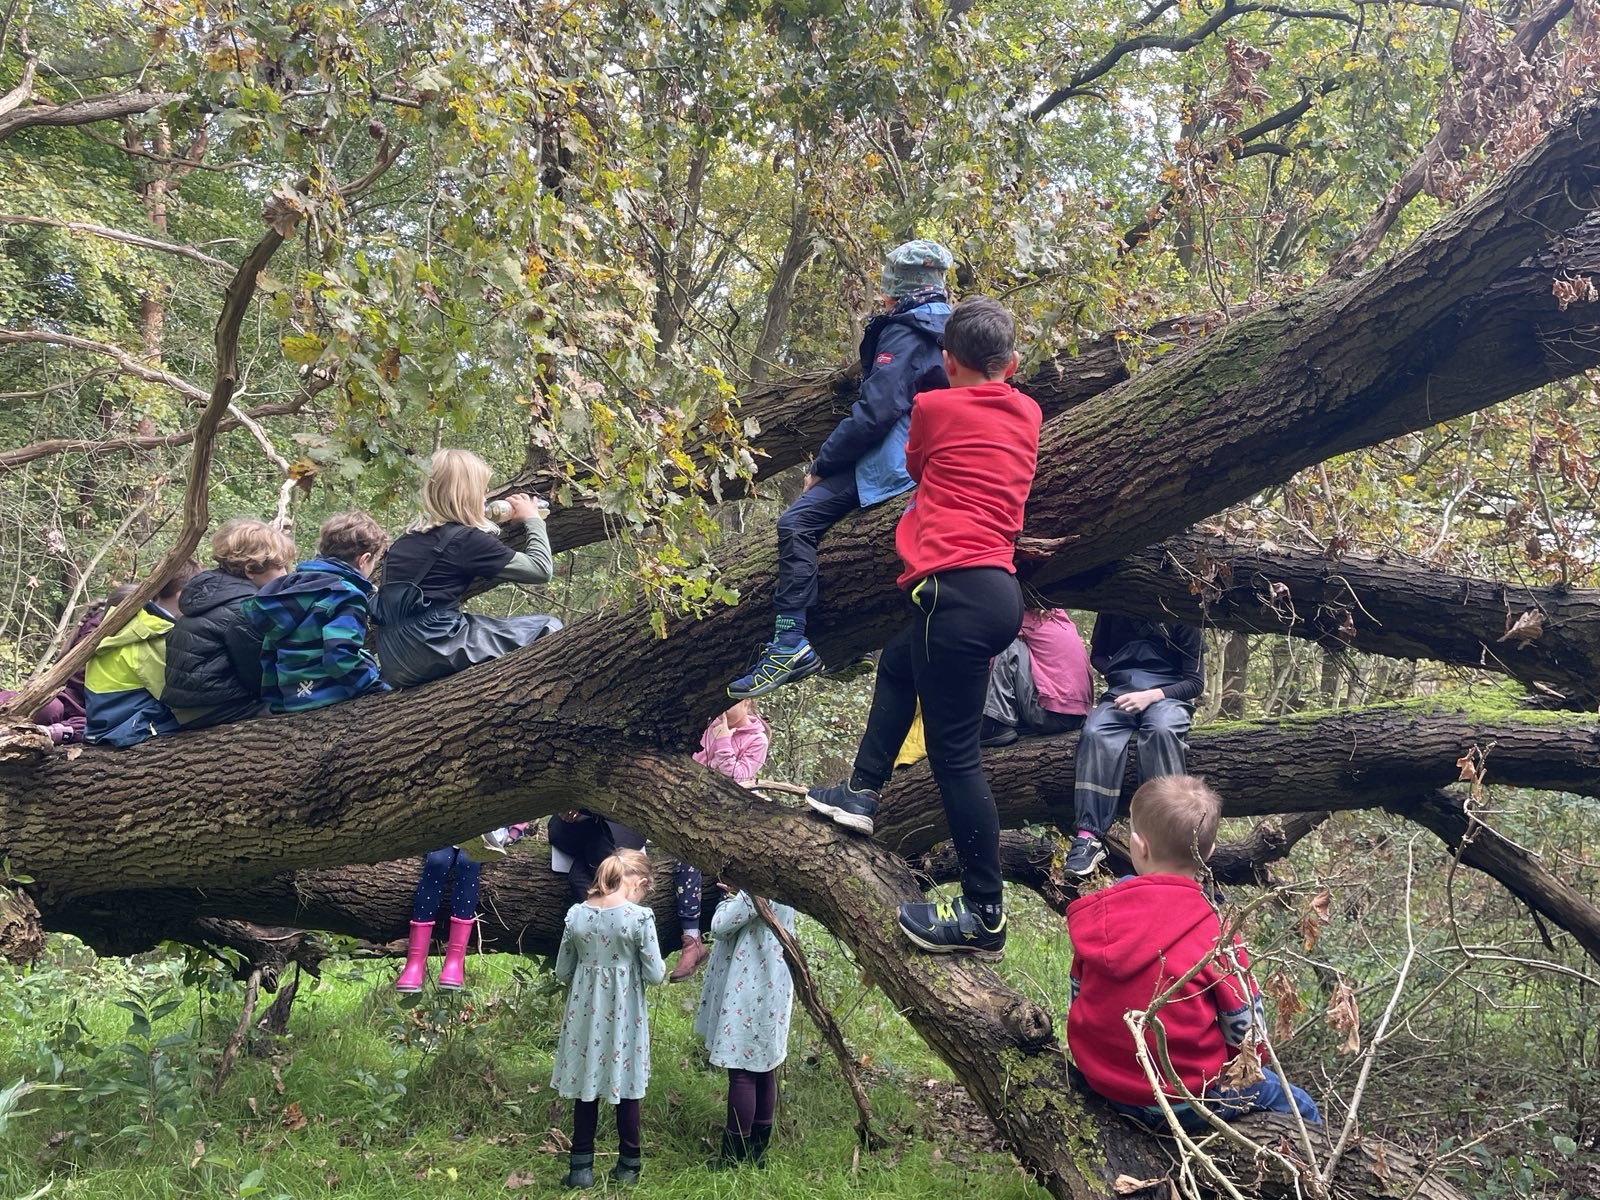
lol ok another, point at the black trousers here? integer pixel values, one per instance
(590, 841)
(962, 619)
(800, 528)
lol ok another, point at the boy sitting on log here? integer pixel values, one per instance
(1135, 940)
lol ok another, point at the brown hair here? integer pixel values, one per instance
(614, 872)
(186, 571)
(245, 546)
(1177, 816)
(348, 535)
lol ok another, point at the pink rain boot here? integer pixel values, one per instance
(453, 973)
(415, 973)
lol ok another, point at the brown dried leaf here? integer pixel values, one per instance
(555, 1142)
(1345, 1018)
(197, 1154)
(1242, 1070)
(1127, 1185)
(520, 1179)
(1525, 630)
(1314, 918)
(293, 1118)
(1286, 1006)
(1380, 1163)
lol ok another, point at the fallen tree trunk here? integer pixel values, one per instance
(1548, 638)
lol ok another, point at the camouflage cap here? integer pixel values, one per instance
(914, 265)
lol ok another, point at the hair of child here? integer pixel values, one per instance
(454, 489)
(613, 873)
(113, 598)
(187, 570)
(981, 335)
(348, 535)
(245, 546)
(1177, 816)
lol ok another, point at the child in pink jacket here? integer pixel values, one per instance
(734, 744)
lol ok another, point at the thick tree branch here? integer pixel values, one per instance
(85, 111)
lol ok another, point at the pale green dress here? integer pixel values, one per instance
(607, 957)
(747, 996)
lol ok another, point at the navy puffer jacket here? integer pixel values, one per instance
(213, 653)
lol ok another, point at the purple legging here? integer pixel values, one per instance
(752, 1099)
(586, 1115)
(430, 888)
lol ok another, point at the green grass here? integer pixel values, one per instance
(450, 1096)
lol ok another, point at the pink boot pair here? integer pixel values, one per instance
(452, 973)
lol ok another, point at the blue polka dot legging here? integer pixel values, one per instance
(430, 888)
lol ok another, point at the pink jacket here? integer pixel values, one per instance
(1060, 663)
(741, 755)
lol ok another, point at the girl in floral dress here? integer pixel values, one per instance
(744, 1019)
(608, 954)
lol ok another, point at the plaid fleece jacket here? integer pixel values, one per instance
(313, 627)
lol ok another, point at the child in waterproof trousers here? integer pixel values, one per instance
(608, 954)
(744, 1019)
(436, 868)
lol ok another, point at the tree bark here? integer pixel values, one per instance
(1391, 606)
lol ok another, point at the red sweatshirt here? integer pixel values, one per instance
(972, 451)
(1129, 942)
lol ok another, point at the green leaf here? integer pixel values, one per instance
(302, 348)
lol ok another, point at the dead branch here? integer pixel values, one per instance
(11, 460)
(127, 363)
(81, 112)
(117, 235)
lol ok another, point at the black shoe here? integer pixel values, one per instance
(1084, 854)
(627, 1168)
(760, 1135)
(580, 1171)
(858, 667)
(949, 927)
(992, 733)
(735, 1150)
(845, 806)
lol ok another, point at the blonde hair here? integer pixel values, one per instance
(454, 489)
(348, 535)
(244, 546)
(1177, 816)
(613, 874)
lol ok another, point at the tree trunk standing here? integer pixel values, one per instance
(797, 253)
(1235, 675)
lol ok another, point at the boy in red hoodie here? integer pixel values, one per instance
(1131, 941)
(972, 449)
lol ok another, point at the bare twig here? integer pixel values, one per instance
(230, 1051)
(117, 235)
(126, 363)
(10, 460)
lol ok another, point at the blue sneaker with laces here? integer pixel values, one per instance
(950, 927)
(781, 662)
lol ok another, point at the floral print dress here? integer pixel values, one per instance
(607, 957)
(747, 996)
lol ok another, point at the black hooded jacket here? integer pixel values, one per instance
(213, 653)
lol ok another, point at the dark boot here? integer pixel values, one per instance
(580, 1171)
(627, 1168)
(735, 1149)
(760, 1135)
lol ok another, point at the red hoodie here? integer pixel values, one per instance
(1129, 943)
(972, 451)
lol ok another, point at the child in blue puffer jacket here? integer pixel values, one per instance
(863, 461)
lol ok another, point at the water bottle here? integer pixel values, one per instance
(498, 510)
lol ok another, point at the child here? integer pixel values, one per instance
(580, 841)
(608, 954)
(1153, 674)
(313, 622)
(436, 867)
(422, 633)
(863, 460)
(64, 718)
(1040, 683)
(213, 652)
(734, 744)
(127, 674)
(972, 450)
(744, 1019)
(1133, 940)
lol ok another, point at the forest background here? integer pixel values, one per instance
(624, 250)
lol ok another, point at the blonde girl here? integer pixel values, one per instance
(608, 954)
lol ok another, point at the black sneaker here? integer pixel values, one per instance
(780, 663)
(949, 927)
(1084, 854)
(993, 734)
(845, 806)
(858, 667)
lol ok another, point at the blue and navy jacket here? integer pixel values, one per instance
(124, 680)
(899, 358)
(313, 627)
